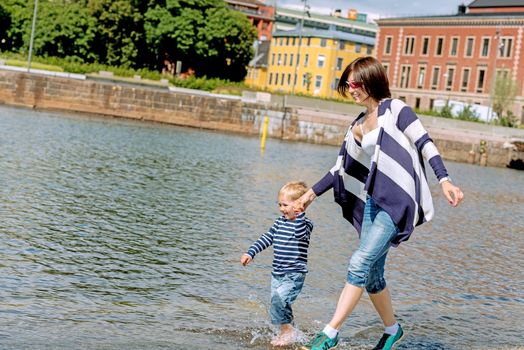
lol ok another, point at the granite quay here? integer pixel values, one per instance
(289, 117)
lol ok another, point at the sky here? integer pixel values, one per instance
(381, 8)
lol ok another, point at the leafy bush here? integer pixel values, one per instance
(445, 112)
(468, 114)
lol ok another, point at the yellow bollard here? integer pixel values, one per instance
(264, 134)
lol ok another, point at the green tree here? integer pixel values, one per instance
(5, 24)
(20, 13)
(203, 34)
(119, 26)
(503, 93)
(65, 29)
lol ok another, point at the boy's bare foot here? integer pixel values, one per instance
(284, 339)
(276, 340)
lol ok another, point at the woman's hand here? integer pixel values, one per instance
(304, 201)
(452, 193)
(245, 259)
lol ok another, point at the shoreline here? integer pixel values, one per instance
(289, 118)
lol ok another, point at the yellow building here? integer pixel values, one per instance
(310, 60)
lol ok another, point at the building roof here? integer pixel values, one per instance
(496, 3)
(325, 34)
(514, 18)
(248, 3)
(326, 19)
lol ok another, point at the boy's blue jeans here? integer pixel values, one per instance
(284, 291)
(366, 266)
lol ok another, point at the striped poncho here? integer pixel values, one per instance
(396, 177)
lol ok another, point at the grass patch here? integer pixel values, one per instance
(34, 65)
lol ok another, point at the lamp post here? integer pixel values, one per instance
(306, 7)
(32, 37)
(494, 76)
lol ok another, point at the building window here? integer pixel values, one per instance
(318, 82)
(358, 48)
(275, 43)
(281, 42)
(340, 60)
(369, 50)
(335, 84)
(272, 59)
(342, 45)
(425, 46)
(293, 41)
(453, 50)
(505, 47)
(291, 59)
(304, 80)
(465, 80)
(285, 59)
(289, 78)
(484, 51)
(308, 41)
(481, 76)
(409, 44)
(435, 78)
(440, 46)
(417, 103)
(270, 78)
(276, 78)
(306, 60)
(421, 77)
(387, 45)
(321, 59)
(279, 59)
(323, 42)
(287, 41)
(282, 79)
(386, 67)
(405, 75)
(449, 78)
(470, 43)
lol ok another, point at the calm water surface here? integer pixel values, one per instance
(117, 234)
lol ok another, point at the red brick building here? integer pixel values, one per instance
(456, 56)
(262, 15)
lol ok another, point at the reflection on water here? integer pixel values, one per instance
(124, 235)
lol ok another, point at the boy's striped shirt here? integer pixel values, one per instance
(290, 240)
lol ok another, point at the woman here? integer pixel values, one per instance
(380, 182)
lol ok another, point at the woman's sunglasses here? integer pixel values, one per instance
(353, 84)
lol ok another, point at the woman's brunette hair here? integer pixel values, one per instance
(369, 72)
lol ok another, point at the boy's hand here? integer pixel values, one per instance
(245, 259)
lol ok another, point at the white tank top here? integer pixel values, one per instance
(369, 141)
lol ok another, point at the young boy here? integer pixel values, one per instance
(289, 236)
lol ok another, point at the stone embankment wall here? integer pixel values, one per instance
(225, 113)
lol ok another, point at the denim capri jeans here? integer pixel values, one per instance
(366, 266)
(284, 291)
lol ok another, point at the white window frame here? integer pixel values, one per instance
(472, 38)
(321, 61)
(387, 49)
(422, 46)
(453, 38)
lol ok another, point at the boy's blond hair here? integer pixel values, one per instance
(293, 190)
